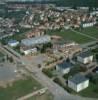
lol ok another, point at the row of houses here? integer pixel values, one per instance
(53, 19)
(90, 24)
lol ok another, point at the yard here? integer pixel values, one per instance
(91, 31)
(91, 91)
(69, 35)
(19, 88)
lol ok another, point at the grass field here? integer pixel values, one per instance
(69, 35)
(46, 96)
(19, 88)
(91, 31)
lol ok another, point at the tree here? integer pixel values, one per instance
(97, 56)
(68, 60)
(45, 46)
(11, 59)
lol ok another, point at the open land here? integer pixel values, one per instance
(91, 31)
(19, 88)
(70, 35)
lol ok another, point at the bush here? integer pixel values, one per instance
(48, 72)
(57, 80)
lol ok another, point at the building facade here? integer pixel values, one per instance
(85, 58)
(63, 67)
(78, 83)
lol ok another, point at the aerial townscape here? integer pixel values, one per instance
(48, 50)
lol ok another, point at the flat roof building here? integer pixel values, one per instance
(85, 57)
(13, 43)
(36, 40)
(63, 67)
(78, 82)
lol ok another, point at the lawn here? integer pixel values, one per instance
(19, 88)
(91, 91)
(69, 35)
(91, 31)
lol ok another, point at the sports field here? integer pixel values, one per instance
(91, 31)
(73, 36)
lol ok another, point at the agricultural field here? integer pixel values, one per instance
(70, 35)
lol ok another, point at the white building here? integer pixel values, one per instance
(88, 24)
(63, 67)
(27, 51)
(13, 43)
(94, 13)
(36, 40)
(78, 82)
(85, 58)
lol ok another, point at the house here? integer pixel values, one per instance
(78, 82)
(28, 50)
(13, 43)
(90, 24)
(85, 57)
(63, 67)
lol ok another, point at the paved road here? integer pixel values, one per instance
(58, 92)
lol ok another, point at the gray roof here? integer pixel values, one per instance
(85, 54)
(36, 40)
(77, 79)
(64, 65)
